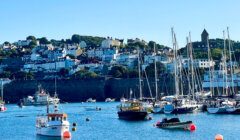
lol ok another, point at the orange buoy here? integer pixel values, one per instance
(192, 127)
(218, 137)
(66, 134)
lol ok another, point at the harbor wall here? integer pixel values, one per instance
(70, 90)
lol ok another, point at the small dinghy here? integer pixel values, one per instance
(175, 123)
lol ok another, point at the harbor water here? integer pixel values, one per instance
(19, 123)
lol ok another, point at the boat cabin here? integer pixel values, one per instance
(131, 106)
(57, 117)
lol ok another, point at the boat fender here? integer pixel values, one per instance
(74, 129)
(74, 124)
(87, 119)
(149, 118)
(66, 135)
(192, 127)
(218, 137)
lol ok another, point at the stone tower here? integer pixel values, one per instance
(204, 36)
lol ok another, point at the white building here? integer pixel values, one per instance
(198, 63)
(49, 66)
(8, 46)
(126, 59)
(148, 59)
(109, 42)
(95, 53)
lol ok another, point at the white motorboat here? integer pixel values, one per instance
(91, 100)
(53, 124)
(109, 100)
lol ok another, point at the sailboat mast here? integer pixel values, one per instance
(175, 63)
(188, 70)
(192, 70)
(155, 70)
(225, 64)
(139, 75)
(231, 65)
(209, 70)
(55, 80)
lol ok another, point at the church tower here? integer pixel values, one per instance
(204, 36)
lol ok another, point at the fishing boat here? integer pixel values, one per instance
(175, 123)
(91, 100)
(109, 100)
(132, 110)
(53, 124)
(2, 103)
(41, 97)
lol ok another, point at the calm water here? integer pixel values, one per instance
(19, 124)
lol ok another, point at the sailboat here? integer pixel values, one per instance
(180, 104)
(2, 103)
(220, 106)
(158, 105)
(133, 109)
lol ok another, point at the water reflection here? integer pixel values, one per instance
(39, 137)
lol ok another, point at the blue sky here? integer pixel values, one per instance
(145, 19)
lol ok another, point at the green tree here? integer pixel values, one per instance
(216, 54)
(84, 74)
(118, 71)
(44, 40)
(151, 44)
(33, 38)
(32, 44)
(76, 38)
(7, 43)
(133, 73)
(21, 75)
(150, 70)
(5, 74)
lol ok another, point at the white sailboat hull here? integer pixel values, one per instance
(216, 110)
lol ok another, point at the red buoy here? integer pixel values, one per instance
(218, 137)
(192, 127)
(67, 134)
